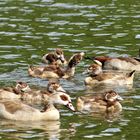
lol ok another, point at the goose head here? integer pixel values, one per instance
(22, 87)
(75, 59)
(112, 96)
(54, 86)
(94, 69)
(60, 55)
(63, 99)
(54, 58)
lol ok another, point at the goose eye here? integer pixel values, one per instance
(59, 53)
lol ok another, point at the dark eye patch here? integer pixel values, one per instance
(64, 98)
(112, 93)
(59, 51)
(20, 83)
(53, 83)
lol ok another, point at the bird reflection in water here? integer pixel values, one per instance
(26, 129)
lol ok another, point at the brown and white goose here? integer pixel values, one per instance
(55, 71)
(97, 76)
(119, 63)
(16, 110)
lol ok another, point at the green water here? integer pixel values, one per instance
(30, 28)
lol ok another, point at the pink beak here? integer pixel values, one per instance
(70, 106)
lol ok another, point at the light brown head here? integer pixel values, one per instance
(54, 86)
(60, 55)
(75, 59)
(112, 96)
(22, 87)
(94, 69)
(54, 58)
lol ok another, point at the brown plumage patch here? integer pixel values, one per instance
(64, 98)
(12, 106)
(102, 59)
(75, 60)
(60, 72)
(13, 90)
(129, 59)
(36, 69)
(37, 72)
(50, 68)
(55, 68)
(51, 57)
(102, 76)
(10, 89)
(77, 57)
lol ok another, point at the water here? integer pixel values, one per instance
(30, 28)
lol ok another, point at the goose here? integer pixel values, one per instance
(107, 102)
(97, 76)
(119, 63)
(16, 110)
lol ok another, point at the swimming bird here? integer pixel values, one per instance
(97, 76)
(14, 92)
(41, 96)
(107, 102)
(55, 71)
(16, 110)
(119, 63)
(25, 93)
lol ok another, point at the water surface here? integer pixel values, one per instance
(30, 28)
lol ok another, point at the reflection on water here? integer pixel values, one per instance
(50, 130)
(30, 28)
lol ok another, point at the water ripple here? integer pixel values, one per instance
(30, 27)
(58, 34)
(10, 56)
(62, 22)
(68, 14)
(71, 6)
(112, 130)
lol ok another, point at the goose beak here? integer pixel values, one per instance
(70, 106)
(119, 98)
(62, 58)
